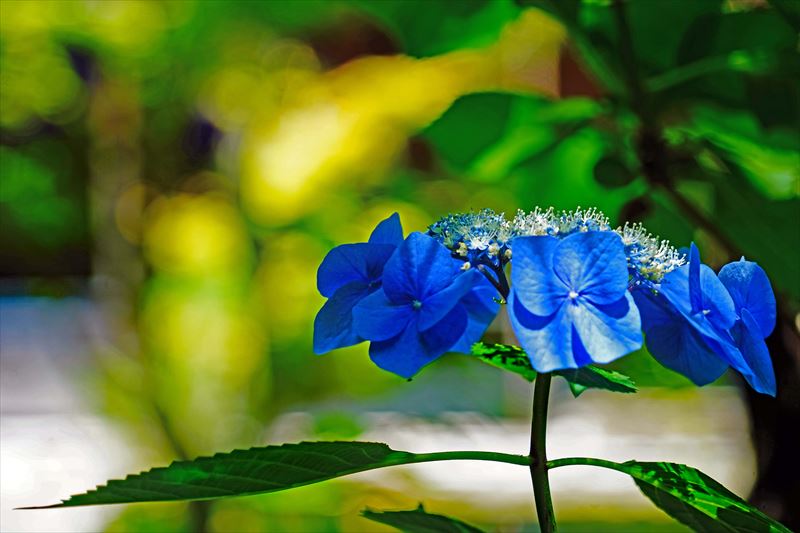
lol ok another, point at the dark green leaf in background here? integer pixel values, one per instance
(512, 130)
(612, 173)
(419, 521)
(430, 27)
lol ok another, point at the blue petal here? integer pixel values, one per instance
(593, 264)
(532, 277)
(407, 353)
(420, 267)
(717, 311)
(437, 305)
(747, 334)
(352, 262)
(607, 331)
(546, 339)
(333, 325)
(481, 310)
(750, 289)
(673, 341)
(443, 335)
(695, 291)
(375, 318)
(388, 231)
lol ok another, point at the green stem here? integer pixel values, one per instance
(498, 457)
(538, 454)
(588, 461)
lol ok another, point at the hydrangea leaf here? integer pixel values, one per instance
(419, 521)
(593, 377)
(688, 495)
(243, 472)
(514, 359)
(505, 357)
(695, 499)
(262, 470)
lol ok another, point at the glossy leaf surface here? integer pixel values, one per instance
(514, 359)
(695, 499)
(420, 521)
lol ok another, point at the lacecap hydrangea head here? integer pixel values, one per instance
(486, 237)
(581, 292)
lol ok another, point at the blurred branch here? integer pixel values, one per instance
(688, 72)
(628, 57)
(782, 8)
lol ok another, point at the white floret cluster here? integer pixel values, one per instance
(486, 237)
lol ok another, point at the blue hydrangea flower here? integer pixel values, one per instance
(754, 303)
(347, 275)
(579, 287)
(419, 313)
(687, 324)
(569, 304)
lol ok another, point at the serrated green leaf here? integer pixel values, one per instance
(593, 377)
(695, 499)
(244, 472)
(688, 495)
(262, 470)
(506, 357)
(514, 359)
(420, 521)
